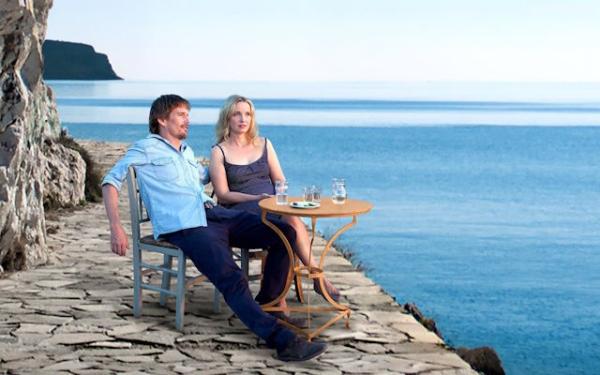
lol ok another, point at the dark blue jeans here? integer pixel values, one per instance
(208, 248)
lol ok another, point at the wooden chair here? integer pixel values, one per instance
(169, 251)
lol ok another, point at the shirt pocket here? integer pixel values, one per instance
(196, 170)
(164, 169)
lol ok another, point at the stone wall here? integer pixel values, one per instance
(33, 166)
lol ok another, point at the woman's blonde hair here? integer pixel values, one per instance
(222, 127)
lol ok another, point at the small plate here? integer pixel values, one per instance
(305, 204)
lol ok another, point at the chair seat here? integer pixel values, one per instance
(149, 240)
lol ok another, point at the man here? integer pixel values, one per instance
(170, 185)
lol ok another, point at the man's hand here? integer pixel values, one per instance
(118, 240)
(264, 196)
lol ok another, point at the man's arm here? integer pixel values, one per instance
(118, 237)
(111, 184)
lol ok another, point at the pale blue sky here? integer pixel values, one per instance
(339, 40)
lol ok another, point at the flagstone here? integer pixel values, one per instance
(135, 358)
(172, 356)
(184, 369)
(196, 338)
(446, 358)
(165, 338)
(369, 348)
(237, 339)
(418, 333)
(14, 355)
(129, 328)
(62, 293)
(252, 355)
(75, 338)
(67, 366)
(9, 307)
(25, 365)
(99, 307)
(204, 355)
(111, 344)
(415, 347)
(34, 328)
(93, 352)
(55, 283)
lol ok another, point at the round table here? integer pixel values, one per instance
(327, 209)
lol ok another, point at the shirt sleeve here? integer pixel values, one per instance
(204, 175)
(135, 155)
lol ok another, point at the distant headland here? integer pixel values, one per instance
(68, 60)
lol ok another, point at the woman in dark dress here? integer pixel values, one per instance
(243, 168)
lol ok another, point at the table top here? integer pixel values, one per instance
(327, 209)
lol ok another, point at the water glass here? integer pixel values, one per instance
(316, 193)
(308, 194)
(338, 186)
(281, 195)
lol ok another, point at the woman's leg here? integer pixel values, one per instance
(302, 249)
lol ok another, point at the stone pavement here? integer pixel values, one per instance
(73, 316)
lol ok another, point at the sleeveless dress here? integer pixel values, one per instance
(253, 178)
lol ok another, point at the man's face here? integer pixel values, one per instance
(176, 125)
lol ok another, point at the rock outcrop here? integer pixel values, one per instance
(484, 359)
(68, 60)
(32, 164)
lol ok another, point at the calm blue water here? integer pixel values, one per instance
(491, 225)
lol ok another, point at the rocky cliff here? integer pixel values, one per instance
(33, 166)
(67, 60)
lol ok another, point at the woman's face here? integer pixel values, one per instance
(240, 119)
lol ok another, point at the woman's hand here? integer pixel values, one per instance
(263, 196)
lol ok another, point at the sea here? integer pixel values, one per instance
(486, 195)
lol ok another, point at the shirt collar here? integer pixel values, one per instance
(157, 136)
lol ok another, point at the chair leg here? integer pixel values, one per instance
(137, 282)
(217, 301)
(245, 262)
(180, 291)
(166, 278)
(298, 283)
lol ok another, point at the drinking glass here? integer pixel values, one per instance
(338, 186)
(316, 193)
(308, 194)
(281, 195)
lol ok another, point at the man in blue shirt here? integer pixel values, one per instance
(171, 186)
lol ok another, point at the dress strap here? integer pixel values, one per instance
(222, 152)
(265, 151)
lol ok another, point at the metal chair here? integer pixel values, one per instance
(169, 251)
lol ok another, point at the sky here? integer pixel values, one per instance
(338, 40)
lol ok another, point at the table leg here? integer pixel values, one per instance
(272, 306)
(322, 263)
(298, 281)
(313, 273)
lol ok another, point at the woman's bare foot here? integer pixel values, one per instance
(332, 290)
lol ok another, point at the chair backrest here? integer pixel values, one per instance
(137, 210)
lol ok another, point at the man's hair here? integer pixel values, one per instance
(222, 127)
(162, 107)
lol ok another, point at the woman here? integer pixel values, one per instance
(243, 167)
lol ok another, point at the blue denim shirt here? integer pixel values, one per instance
(171, 183)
